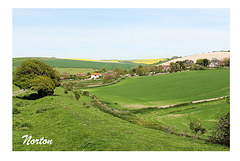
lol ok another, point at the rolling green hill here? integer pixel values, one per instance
(179, 117)
(67, 63)
(137, 92)
(78, 126)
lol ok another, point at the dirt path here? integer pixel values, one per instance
(18, 92)
(206, 100)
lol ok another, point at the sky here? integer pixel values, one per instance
(119, 33)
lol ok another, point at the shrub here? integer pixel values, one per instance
(226, 62)
(66, 91)
(196, 126)
(94, 97)
(85, 93)
(109, 76)
(69, 88)
(222, 133)
(199, 67)
(77, 94)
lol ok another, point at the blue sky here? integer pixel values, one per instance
(119, 33)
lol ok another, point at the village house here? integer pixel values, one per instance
(96, 75)
(214, 63)
(166, 67)
(189, 62)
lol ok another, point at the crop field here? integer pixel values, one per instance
(123, 116)
(83, 59)
(172, 88)
(67, 63)
(138, 61)
(77, 125)
(147, 61)
(74, 70)
(113, 61)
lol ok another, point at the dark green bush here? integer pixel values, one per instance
(196, 126)
(36, 75)
(85, 93)
(66, 91)
(77, 94)
(222, 133)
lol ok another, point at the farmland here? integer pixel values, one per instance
(137, 92)
(139, 61)
(124, 116)
(77, 126)
(147, 61)
(67, 63)
(114, 61)
(120, 79)
(74, 70)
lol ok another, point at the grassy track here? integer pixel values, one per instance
(179, 117)
(75, 127)
(136, 92)
(67, 63)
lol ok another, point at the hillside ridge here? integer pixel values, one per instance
(195, 57)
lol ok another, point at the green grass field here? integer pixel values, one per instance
(179, 117)
(15, 88)
(70, 70)
(76, 127)
(74, 70)
(172, 88)
(67, 63)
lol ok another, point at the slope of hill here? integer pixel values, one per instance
(173, 88)
(210, 55)
(67, 63)
(78, 126)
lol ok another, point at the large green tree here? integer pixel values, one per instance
(175, 67)
(36, 75)
(203, 62)
(225, 62)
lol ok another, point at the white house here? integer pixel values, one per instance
(214, 62)
(213, 65)
(96, 75)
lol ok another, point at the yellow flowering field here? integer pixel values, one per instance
(147, 61)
